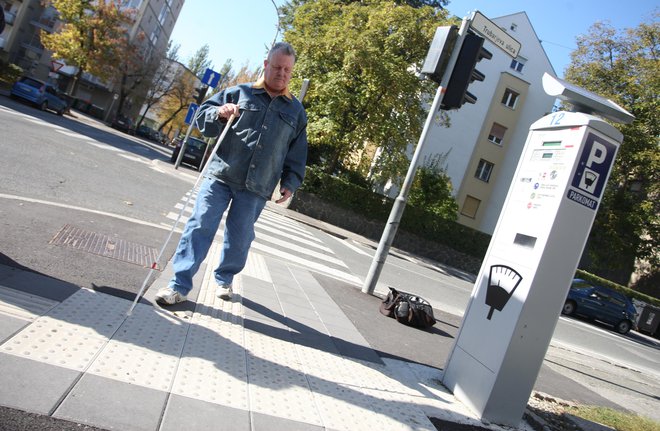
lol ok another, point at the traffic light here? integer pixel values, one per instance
(200, 93)
(439, 52)
(464, 72)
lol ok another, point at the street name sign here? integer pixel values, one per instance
(491, 31)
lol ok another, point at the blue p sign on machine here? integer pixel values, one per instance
(211, 78)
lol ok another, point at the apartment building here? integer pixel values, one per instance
(20, 44)
(484, 142)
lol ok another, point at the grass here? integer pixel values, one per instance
(615, 419)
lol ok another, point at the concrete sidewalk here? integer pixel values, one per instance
(280, 355)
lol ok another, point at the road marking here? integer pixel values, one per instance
(105, 146)
(45, 123)
(73, 134)
(296, 248)
(351, 246)
(135, 159)
(307, 264)
(73, 207)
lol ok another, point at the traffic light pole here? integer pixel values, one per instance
(400, 202)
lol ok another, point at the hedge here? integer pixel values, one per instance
(633, 294)
(376, 207)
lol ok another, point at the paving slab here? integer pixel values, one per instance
(35, 386)
(108, 403)
(183, 413)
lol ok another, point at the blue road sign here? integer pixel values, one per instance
(211, 78)
(191, 113)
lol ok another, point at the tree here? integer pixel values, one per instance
(242, 76)
(92, 36)
(163, 81)
(173, 105)
(431, 189)
(363, 60)
(623, 66)
(200, 61)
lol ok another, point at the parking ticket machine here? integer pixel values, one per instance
(533, 255)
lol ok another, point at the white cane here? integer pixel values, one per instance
(154, 265)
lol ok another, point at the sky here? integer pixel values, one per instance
(242, 30)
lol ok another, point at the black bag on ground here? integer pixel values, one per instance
(409, 309)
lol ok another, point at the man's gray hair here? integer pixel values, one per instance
(284, 48)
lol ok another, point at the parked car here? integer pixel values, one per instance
(123, 124)
(144, 131)
(42, 94)
(148, 132)
(195, 155)
(602, 304)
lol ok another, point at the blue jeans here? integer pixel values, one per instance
(212, 201)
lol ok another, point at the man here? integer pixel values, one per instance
(267, 142)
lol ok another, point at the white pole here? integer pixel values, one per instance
(399, 204)
(184, 143)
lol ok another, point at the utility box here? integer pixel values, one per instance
(529, 265)
(649, 320)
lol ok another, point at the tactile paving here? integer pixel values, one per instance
(154, 329)
(145, 349)
(93, 313)
(54, 342)
(132, 364)
(342, 406)
(72, 333)
(212, 366)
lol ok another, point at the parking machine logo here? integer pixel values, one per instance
(594, 165)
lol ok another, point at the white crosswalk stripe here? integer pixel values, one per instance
(283, 238)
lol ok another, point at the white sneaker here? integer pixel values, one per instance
(224, 291)
(169, 296)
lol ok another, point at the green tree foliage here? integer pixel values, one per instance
(431, 189)
(625, 67)
(362, 59)
(200, 61)
(92, 37)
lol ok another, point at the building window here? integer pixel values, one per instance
(163, 14)
(154, 35)
(510, 98)
(496, 134)
(517, 64)
(514, 26)
(470, 206)
(132, 4)
(484, 170)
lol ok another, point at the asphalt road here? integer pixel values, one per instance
(63, 171)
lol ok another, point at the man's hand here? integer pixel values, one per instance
(285, 193)
(227, 110)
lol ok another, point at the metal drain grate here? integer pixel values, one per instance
(102, 245)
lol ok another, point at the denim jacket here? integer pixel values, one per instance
(267, 141)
